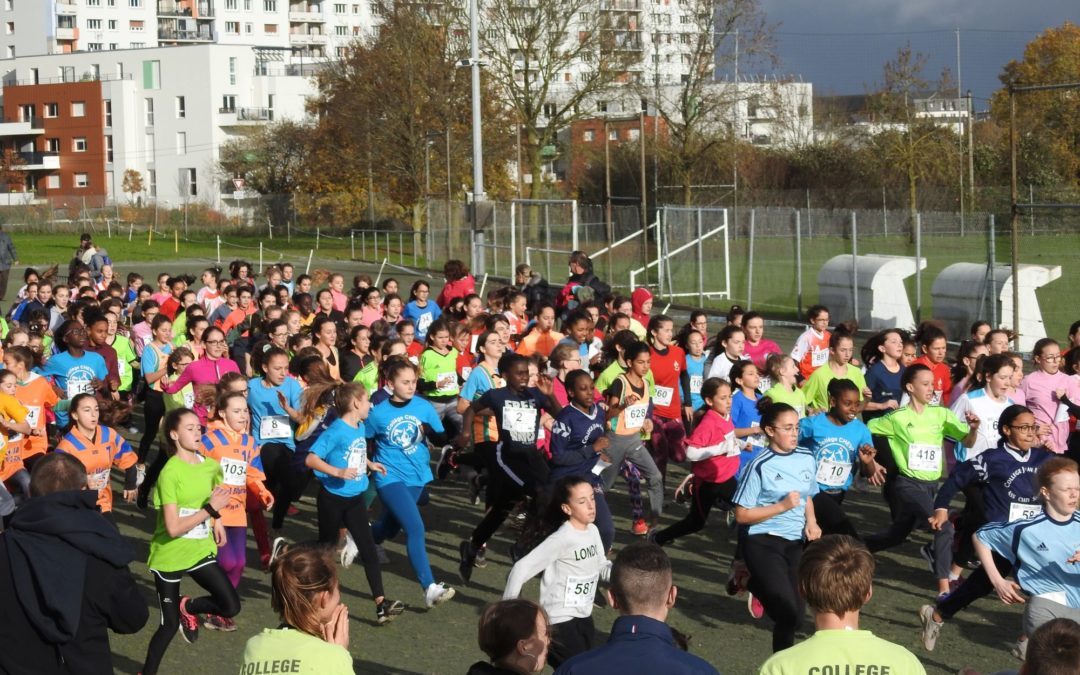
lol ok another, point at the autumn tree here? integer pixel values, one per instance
(273, 161)
(132, 184)
(11, 174)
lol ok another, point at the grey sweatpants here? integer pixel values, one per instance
(632, 449)
(1038, 611)
(914, 505)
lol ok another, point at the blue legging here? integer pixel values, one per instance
(400, 512)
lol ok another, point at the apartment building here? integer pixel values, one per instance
(78, 121)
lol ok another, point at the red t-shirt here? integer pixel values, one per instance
(713, 431)
(667, 368)
(942, 380)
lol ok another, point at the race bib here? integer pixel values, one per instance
(33, 415)
(121, 367)
(234, 471)
(472, 343)
(765, 384)
(664, 395)
(189, 399)
(274, 426)
(580, 591)
(936, 398)
(446, 382)
(520, 420)
(76, 387)
(635, 415)
(924, 457)
(695, 384)
(98, 480)
(832, 473)
(357, 459)
(423, 323)
(818, 357)
(1019, 511)
(1062, 413)
(200, 531)
(465, 372)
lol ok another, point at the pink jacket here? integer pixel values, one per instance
(456, 289)
(202, 371)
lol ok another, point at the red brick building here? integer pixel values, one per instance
(586, 142)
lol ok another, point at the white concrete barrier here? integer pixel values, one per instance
(882, 297)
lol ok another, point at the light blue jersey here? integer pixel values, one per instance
(269, 421)
(398, 431)
(836, 449)
(343, 446)
(1039, 549)
(768, 479)
(73, 376)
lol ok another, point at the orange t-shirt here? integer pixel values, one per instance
(106, 450)
(36, 394)
(536, 342)
(12, 409)
(241, 466)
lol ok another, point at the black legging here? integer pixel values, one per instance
(277, 464)
(773, 563)
(706, 495)
(505, 493)
(336, 512)
(971, 518)
(223, 601)
(153, 411)
(830, 516)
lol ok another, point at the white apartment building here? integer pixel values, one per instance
(164, 112)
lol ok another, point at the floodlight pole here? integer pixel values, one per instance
(477, 142)
(1014, 220)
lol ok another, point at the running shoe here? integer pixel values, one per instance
(380, 555)
(1019, 650)
(293, 511)
(481, 557)
(189, 623)
(729, 518)
(446, 463)
(465, 564)
(517, 552)
(142, 498)
(437, 594)
(930, 629)
(215, 622)
(349, 551)
(265, 561)
(133, 430)
(278, 548)
(640, 528)
(474, 490)
(927, 553)
(757, 610)
(388, 610)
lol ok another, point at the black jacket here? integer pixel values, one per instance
(485, 668)
(64, 584)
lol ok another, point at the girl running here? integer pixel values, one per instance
(340, 461)
(811, 350)
(34, 392)
(934, 347)
(1044, 389)
(714, 456)
(668, 362)
(73, 369)
(438, 376)
(274, 399)
(14, 429)
(987, 398)
(324, 334)
(99, 448)
(758, 349)
(421, 310)
(204, 373)
(967, 359)
(358, 364)
(816, 387)
(881, 354)
(694, 346)
(745, 411)
(187, 496)
(572, 561)
(398, 426)
(231, 446)
(784, 374)
(730, 344)
(915, 433)
(841, 445)
(482, 432)
(774, 501)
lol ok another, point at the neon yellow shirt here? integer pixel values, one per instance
(816, 388)
(284, 650)
(843, 651)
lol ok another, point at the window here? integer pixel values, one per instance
(113, 46)
(52, 182)
(135, 3)
(270, 28)
(138, 45)
(108, 112)
(339, 8)
(550, 109)
(94, 46)
(82, 180)
(232, 70)
(633, 134)
(249, 28)
(230, 4)
(181, 108)
(78, 144)
(135, 26)
(228, 103)
(232, 27)
(11, 51)
(52, 145)
(587, 136)
(52, 109)
(269, 5)
(108, 149)
(113, 24)
(78, 109)
(189, 176)
(7, 5)
(151, 182)
(148, 109)
(613, 134)
(247, 5)
(181, 143)
(342, 31)
(93, 3)
(91, 24)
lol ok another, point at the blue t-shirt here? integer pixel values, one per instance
(572, 437)
(478, 383)
(73, 375)
(836, 449)
(884, 386)
(422, 317)
(398, 432)
(345, 447)
(1039, 549)
(695, 368)
(269, 421)
(768, 479)
(744, 414)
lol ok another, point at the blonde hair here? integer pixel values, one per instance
(298, 576)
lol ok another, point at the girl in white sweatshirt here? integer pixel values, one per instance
(572, 561)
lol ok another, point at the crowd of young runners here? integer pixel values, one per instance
(537, 398)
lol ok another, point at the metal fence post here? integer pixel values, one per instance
(363, 244)
(547, 242)
(798, 261)
(992, 260)
(700, 264)
(260, 256)
(918, 268)
(352, 244)
(219, 249)
(749, 263)
(317, 233)
(513, 239)
(374, 238)
(855, 266)
(574, 226)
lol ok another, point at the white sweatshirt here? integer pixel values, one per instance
(573, 563)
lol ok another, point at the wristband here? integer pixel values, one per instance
(211, 510)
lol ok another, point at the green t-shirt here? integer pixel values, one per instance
(843, 651)
(778, 393)
(440, 370)
(612, 373)
(179, 328)
(189, 487)
(816, 387)
(125, 358)
(916, 438)
(185, 398)
(284, 650)
(368, 376)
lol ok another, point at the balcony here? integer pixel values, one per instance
(170, 35)
(67, 33)
(38, 161)
(205, 10)
(306, 17)
(31, 127)
(307, 38)
(245, 116)
(66, 9)
(620, 5)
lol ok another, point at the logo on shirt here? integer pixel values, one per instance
(404, 432)
(1042, 547)
(778, 477)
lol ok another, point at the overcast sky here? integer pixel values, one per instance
(840, 45)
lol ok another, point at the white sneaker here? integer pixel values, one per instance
(140, 474)
(380, 555)
(349, 551)
(278, 548)
(437, 594)
(930, 629)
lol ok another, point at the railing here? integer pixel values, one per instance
(288, 70)
(255, 114)
(39, 159)
(85, 77)
(189, 35)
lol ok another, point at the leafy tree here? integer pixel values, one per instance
(11, 175)
(273, 161)
(132, 184)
